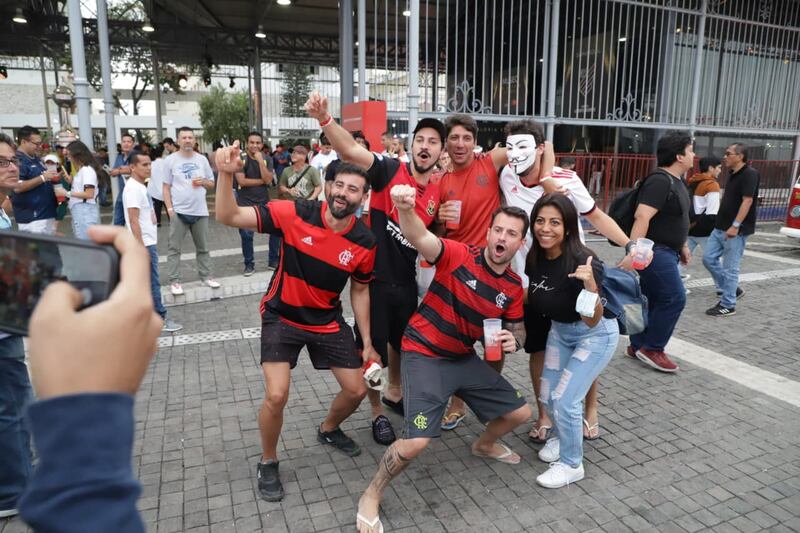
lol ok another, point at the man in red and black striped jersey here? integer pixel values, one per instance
(471, 284)
(394, 291)
(322, 246)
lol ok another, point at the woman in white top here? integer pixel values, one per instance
(83, 196)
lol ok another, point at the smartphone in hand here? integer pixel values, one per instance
(29, 262)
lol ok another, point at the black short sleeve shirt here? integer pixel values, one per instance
(743, 183)
(670, 226)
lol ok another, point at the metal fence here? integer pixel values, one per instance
(608, 175)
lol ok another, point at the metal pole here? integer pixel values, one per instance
(362, 50)
(44, 90)
(108, 98)
(259, 112)
(698, 66)
(250, 120)
(157, 89)
(551, 70)
(79, 72)
(796, 164)
(413, 66)
(346, 50)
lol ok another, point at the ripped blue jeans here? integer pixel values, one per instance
(574, 357)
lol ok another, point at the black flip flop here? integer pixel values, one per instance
(396, 407)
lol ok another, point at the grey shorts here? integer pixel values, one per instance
(428, 383)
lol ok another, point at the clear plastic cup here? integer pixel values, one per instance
(453, 224)
(491, 342)
(641, 253)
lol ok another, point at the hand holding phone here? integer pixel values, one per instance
(106, 347)
(30, 262)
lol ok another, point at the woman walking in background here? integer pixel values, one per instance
(83, 195)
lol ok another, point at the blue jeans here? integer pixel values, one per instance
(574, 357)
(119, 211)
(274, 249)
(726, 271)
(247, 247)
(15, 451)
(155, 283)
(83, 216)
(666, 298)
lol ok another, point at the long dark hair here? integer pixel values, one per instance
(80, 153)
(572, 248)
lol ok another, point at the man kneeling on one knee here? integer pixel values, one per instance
(471, 284)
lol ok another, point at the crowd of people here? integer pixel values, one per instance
(493, 242)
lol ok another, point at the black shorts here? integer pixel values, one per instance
(536, 329)
(390, 309)
(429, 382)
(281, 343)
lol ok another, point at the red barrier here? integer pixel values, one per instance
(607, 175)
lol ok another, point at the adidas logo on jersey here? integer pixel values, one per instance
(472, 284)
(308, 240)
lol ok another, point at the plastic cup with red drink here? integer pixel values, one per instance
(491, 339)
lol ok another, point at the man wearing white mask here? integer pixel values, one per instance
(521, 187)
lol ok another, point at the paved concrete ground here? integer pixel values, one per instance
(699, 450)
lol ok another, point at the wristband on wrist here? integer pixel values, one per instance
(736, 224)
(43, 178)
(629, 246)
(326, 122)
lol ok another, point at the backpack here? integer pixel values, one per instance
(623, 300)
(623, 207)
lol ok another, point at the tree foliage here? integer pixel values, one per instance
(295, 87)
(135, 61)
(224, 115)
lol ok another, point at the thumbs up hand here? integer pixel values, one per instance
(586, 275)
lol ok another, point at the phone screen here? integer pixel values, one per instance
(30, 262)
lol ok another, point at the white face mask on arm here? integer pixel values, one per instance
(521, 152)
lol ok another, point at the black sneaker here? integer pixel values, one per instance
(739, 292)
(382, 431)
(249, 271)
(269, 481)
(272, 266)
(339, 440)
(720, 310)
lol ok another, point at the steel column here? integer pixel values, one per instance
(698, 66)
(157, 89)
(259, 111)
(413, 66)
(362, 50)
(44, 91)
(346, 50)
(551, 70)
(79, 72)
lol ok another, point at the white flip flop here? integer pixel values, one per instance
(370, 523)
(505, 457)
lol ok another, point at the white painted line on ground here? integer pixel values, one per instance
(749, 376)
(747, 278)
(772, 257)
(752, 377)
(216, 253)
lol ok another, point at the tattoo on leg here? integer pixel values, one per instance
(391, 465)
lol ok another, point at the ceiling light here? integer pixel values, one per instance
(183, 82)
(407, 13)
(623, 39)
(147, 27)
(19, 17)
(232, 84)
(260, 32)
(284, 2)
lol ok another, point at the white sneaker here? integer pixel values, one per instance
(8, 513)
(176, 289)
(170, 326)
(551, 451)
(211, 282)
(560, 475)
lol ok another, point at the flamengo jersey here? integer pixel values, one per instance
(395, 261)
(477, 188)
(464, 291)
(315, 264)
(517, 194)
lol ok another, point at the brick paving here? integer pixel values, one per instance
(687, 452)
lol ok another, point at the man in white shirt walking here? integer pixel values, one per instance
(141, 221)
(187, 178)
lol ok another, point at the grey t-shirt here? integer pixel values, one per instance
(179, 171)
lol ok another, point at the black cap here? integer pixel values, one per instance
(432, 123)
